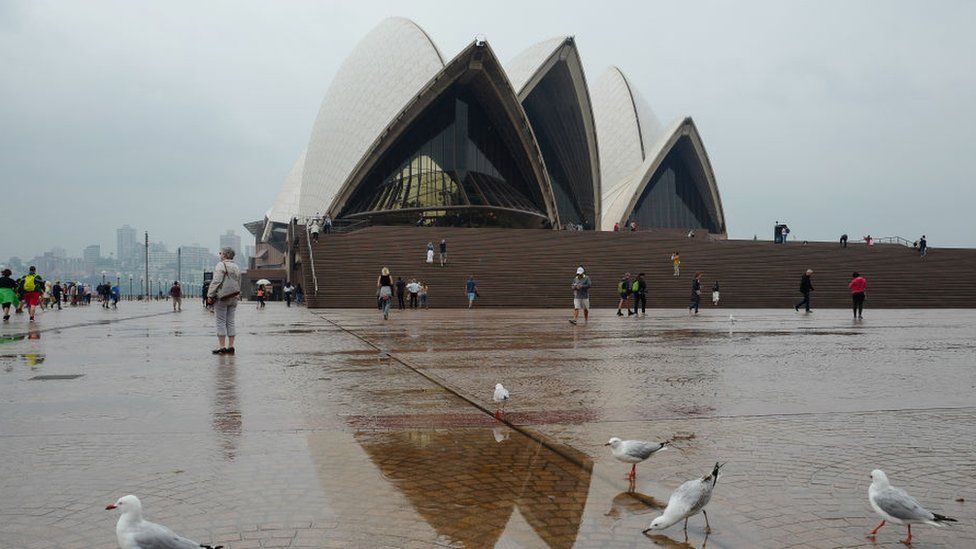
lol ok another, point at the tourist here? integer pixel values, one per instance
(414, 290)
(857, 286)
(639, 289)
(443, 252)
(423, 296)
(225, 289)
(115, 294)
(616, 227)
(715, 295)
(430, 252)
(695, 293)
(385, 285)
(46, 297)
(843, 240)
(581, 295)
(806, 286)
(260, 295)
(176, 293)
(57, 292)
(868, 240)
(676, 262)
(923, 247)
(401, 287)
(633, 226)
(784, 234)
(314, 229)
(8, 293)
(471, 290)
(623, 289)
(288, 290)
(327, 224)
(30, 290)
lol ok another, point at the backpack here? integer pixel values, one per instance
(29, 285)
(635, 287)
(621, 287)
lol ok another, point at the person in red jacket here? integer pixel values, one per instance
(857, 285)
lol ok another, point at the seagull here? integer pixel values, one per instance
(690, 498)
(634, 451)
(896, 505)
(134, 532)
(500, 398)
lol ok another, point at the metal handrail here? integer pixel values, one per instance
(311, 260)
(893, 240)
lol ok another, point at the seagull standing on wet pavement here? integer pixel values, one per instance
(134, 532)
(634, 451)
(895, 505)
(500, 397)
(687, 501)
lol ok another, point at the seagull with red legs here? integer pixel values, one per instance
(895, 505)
(500, 397)
(634, 451)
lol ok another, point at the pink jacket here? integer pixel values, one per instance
(858, 285)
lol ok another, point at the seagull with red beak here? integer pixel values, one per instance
(134, 532)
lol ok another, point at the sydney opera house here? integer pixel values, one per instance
(408, 136)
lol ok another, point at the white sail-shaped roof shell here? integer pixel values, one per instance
(526, 65)
(382, 74)
(625, 127)
(285, 206)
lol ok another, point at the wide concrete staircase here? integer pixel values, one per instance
(535, 268)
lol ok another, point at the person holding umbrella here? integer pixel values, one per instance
(262, 291)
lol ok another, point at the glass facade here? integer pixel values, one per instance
(673, 198)
(451, 167)
(554, 110)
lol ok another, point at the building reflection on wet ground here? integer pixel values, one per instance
(333, 429)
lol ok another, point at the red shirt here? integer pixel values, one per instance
(858, 285)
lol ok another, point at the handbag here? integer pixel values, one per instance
(227, 297)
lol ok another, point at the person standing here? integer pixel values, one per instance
(857, 285)
(676, 262)
(784, 234)
(401, 287)
(8, 293)
(633, 226)
(385, 285)
(260, 294)
(57, 293)
(299, 294)
(923, 247)
(806, 286)
(225, 289)
(414, 290)
(176, 293)
(715, 294)
(695, 293)
(423, 296)
(581, 296)
(616, 227)
(328, 223)
(430, 252)
(288, 290)
(623, 290)
(471, 290)
(843, 240)
(314, 229)
(30, 290)
(639, 289)
(443, 252)
(116, 295)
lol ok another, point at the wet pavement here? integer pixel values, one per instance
(334, 429)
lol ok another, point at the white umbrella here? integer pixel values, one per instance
(263, 282)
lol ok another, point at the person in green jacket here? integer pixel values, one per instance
(8, 293)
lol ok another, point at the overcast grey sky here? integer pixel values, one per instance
(183, 118)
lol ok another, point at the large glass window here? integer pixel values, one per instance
(673, 199)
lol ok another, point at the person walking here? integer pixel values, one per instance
(695, 293)
(676, 262)
(423, 296)
(176, 294)
(385, 285)
(581, 296)
(857, 285)
(616, 227)
(633, 226)
(289, 292)
(843, 240)
(314, 229)
(414, 290)
(401, 287)
(715, 295)
(923, 247)
(260, 295)
(430, 252)
(225, 289)
(623, 290)
(116, 295)
(639, 289)
(471, 290)
(806, 286)
(443, 252)
(327, 224)
(299, 294)
(8, 293)
(30, 290)
(57, 294)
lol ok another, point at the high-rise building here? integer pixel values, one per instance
(232, 240)
(126, 244)
(92, 255)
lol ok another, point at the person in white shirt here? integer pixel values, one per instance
(414, 290)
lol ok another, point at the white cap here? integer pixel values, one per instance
(579, 271)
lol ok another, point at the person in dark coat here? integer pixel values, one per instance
(401, 287)
(695, 293)
(806, 286)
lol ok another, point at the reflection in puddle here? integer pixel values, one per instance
(31, 360)
(226, 409)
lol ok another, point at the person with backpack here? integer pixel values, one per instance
(30, 290)
(8, 293)
(639, 288)
(623, 290)
(676, 262)
(806, 286)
